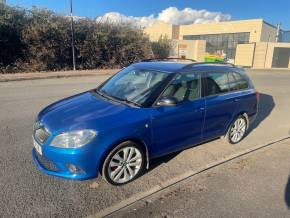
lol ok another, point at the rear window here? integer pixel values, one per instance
(237, 82)
(216, 83)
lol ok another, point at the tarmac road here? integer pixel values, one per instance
(25, 191)
(255, 185)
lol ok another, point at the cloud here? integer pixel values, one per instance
(169, 15)
(115, 17)
(189, 16)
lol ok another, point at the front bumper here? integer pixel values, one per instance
(80, 165)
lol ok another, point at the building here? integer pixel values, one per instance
(2, 1)
(252, 43)
(285, 36)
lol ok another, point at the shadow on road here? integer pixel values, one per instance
(164, 159)
(266, 105)
(287, 193)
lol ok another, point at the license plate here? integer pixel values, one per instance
(37, 147)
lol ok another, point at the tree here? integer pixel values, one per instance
(47, 37)
(161, 48)
(12, 22)
(40, 40)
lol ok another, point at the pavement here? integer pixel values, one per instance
(27, 192)
(255, 185)
(54, 74)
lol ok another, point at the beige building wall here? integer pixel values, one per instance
(159, 29)
(244, 54)
(200, 49)
(175, 31)
(264, 54)
(260, 55)
(254, 27)
(191, 49)
(268, 33)
(259, 30)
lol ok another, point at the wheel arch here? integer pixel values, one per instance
(244, 114)
(115, 144)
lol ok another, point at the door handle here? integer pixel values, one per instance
(200, 109)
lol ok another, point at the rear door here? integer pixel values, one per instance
(245, 94)
(221, 104)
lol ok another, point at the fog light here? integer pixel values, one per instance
(74, 169)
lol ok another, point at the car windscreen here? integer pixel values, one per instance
(133, 85)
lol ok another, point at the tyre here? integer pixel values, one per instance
(124, 163)
(237, 130)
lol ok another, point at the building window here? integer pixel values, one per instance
(284, 36)
(222, 44)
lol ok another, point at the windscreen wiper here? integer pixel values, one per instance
(131, 102)
(116, 99)
(101, 94)
(126, 101)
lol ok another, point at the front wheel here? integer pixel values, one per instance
(124, 163)
(237, 130)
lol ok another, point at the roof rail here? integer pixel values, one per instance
(167, 59)
(215, 63)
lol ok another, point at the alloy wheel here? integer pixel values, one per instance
(238, 130)
(125, 164)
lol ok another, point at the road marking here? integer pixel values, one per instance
(169, 183)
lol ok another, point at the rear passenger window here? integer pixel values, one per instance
(216, 83)
(237, 82)
(232, 82)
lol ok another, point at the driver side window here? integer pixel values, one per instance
(185, 87)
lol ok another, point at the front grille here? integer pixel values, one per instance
(40, 133)
(46, 163)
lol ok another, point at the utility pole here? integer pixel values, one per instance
(266, 53)
(278, 32)
(72, 35)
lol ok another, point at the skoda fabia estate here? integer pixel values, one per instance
(147, 110)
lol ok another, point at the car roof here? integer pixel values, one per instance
(166, 66)
(182, 66)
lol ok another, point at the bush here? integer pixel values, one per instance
(12, 49)
(161, 48)
(40, 40)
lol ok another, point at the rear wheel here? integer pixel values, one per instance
(124, 163)
(237, 130)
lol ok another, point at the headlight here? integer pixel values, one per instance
(74, 139)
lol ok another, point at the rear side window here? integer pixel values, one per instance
(215, 83)
(237, 82)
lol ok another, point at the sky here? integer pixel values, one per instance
(144, 12)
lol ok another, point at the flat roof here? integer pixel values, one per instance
(226, 21)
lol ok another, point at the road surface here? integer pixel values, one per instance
(256, 185)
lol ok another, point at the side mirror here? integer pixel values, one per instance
(167, 101)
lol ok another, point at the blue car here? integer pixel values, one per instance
(147, 110)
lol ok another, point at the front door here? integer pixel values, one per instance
(176, 127)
